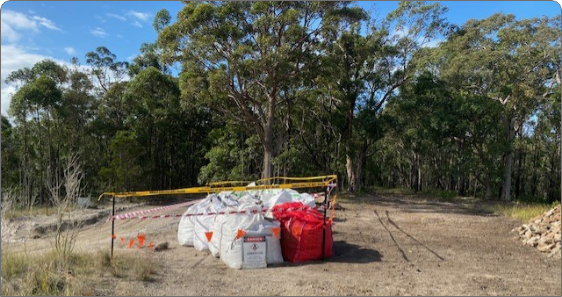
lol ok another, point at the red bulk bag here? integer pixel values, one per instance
(302, 232)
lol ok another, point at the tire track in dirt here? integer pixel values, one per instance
(410, 236)
(392, 237)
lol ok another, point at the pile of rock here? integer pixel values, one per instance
(543, 232)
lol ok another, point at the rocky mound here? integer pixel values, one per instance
(543, 232)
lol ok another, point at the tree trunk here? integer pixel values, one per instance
(268, 140)
(506, 188)
(351, 173)
(487, 187)
(518, 178)
(418, 174)
(361, 160)
(351, 178)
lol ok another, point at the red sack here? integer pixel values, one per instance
(302, 232)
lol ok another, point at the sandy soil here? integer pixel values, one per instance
(383, 245)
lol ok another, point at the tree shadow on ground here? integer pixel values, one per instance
(415, 204)
(344, 252)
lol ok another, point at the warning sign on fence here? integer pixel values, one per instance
(254, 252)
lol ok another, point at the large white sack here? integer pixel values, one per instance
(278, 197)
(202, 223)
(185, 229)
(186, 225)
(247, 203)
(231, 248)
(216, 228)
(228, 198)
(248, 200)
(307, 199)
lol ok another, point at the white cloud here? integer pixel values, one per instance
(119, 36)
(99, 32)
(12, 59)
(115, 16)
(13, 23)
(6, 97)
(136, 24)
(46, 23)
(8, 32)
(143, 16)
(70, 50)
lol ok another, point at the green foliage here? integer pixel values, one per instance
(441, 194)
(230, 158)
(300, 88)
(125, 171)
(161, 20)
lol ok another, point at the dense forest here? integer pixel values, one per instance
(244, 90)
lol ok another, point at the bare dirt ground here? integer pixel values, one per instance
(383, 245)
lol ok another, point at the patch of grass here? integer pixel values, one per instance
(393, 191)
(433, 193)
(13, 265)
(139, 267)
(33, 275)
(520, 211)
(440, 194)
(44, 274)
(16, 213)
(35, 211)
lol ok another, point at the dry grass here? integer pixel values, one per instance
(139, 267)
(520, 211)
(44, 274)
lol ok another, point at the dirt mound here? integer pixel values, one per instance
(543, 232)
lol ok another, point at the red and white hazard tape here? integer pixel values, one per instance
(136, 214)
(254, 211)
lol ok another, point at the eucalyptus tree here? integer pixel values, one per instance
(368, 61)
(240, 58)
(515, 62)
(105, 68)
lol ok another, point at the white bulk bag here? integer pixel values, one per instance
(216, 229)
(279, 197)
(202, 223)
(307, 199)
(231, 248)
(247, 203)
(186, 225)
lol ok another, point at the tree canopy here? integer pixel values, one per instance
(295, 89)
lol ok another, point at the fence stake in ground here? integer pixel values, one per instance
(112, 224)
(324, 233)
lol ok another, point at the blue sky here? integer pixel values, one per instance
(59, 30)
